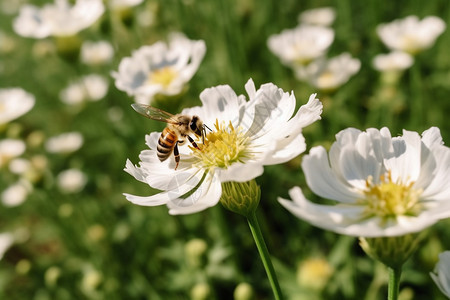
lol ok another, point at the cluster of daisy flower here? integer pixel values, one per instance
(384, 188)
(304, 49)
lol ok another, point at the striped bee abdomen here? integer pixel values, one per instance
(166, 143)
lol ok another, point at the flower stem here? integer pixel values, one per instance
(264, 254)
(394, 282)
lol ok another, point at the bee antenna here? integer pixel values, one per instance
(204, 125)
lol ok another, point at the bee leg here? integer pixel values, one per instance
(177, 155)
(204, 132)
(193, 143)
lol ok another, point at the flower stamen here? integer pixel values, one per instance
(222, 147)
(388, 199)
(163, 76)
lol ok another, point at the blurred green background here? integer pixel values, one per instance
(96, 245)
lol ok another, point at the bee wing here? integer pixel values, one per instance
(153, 113)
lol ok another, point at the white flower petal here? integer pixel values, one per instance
(14, 102)
(286, 149)
(438, 183)
(6, 241)
(207, 195)
(323, 181)
(356, 169)
(155, 200)
(137, 173)
(180, 185)
(441, 275)
(219, 102)
(405, 165)
(345, 219)
(432, 137)
(335, 218)
(240, 172)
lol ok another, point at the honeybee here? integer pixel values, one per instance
(176, 132)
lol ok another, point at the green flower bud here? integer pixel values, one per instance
(241, 197)
(68, 47)
(391, 251)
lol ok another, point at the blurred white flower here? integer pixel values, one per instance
(411, 35)
(17, 193)
(146, 17)
(71, 181)
(301, 45)
(121, 4)
(244, 136)
(393, 62)
(329, 74)
(323, 16)
(64, 143)
(441, 274)
(57, 19)
(9, 149)
(6, 241)
(160, 68)
(19, 166)
(14, 102)
(96, 53)
(383, 186)
(91, 87)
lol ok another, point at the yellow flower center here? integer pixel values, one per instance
(326, 80)
(410, 44)
(389, 199)
(222, 147)
(163, 76)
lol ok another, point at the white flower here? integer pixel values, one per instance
(301, 45)
(6, 241)
(393, 62)
(71, 181)
(411, 35)
(121, 4)
(323, 16)
(441, 275)
(14, 102)
(9, 149)
(383, 186)
(57, 19)
(329, 74)
(160, 68)
(64, 143)
(17, 193)
(146, 17)
(96, 53)
(244, 137)
(19, 166)
(91, 87)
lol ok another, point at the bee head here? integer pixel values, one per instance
(196, 125)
